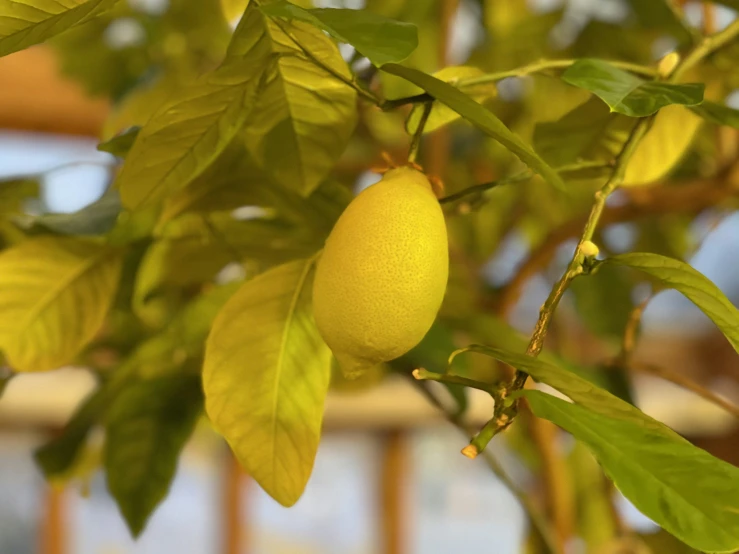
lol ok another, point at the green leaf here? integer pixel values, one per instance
(604, 304)
(441, 114)
(479, 116)
(15, 193)
(57, 456)
(54, 295)
(233, 180)
(626, 93)
(265, 378)
(687, 491)
(146, 429)
(694, 285)
(304, 115)
(717, 113)
(378, 38)
(188, 132)
(684, 489)
(96, 219)
(120, 144)
(24, 23)
(593, 134)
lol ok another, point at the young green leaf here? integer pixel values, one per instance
(24, 23)
(265, 377)
(54, 295)
(146, 429)
(694, 285)
(626, 93)
(58, 455)
(121, 144)
(687, 491)
(378, 38)
(441, 114)
(304, 114)
(717, 113)
(189, 131)
(479, 116)
(681, 487)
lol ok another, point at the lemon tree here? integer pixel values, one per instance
(304, 200)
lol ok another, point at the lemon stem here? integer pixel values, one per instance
(416, 140)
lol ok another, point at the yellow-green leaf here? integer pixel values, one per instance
(54, 295)
(666, 142)
(304, 115)
(188, 132)
(441, 114)
(265, 378)
(24, 23)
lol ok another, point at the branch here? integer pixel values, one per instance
(686, 383)
(536, 67)
(521, 176)
(690, 198)
(416, 140)
(538, 522)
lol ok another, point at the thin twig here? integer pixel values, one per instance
(425, 375)
(686, 383)
(536, 67)
(538, 522)
(418, 134)
(504, 413)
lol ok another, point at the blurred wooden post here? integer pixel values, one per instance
(53, 535)
(393, 505)
(234, 531)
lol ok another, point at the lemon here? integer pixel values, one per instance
(382, 275)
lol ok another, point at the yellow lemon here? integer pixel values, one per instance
(382, 275)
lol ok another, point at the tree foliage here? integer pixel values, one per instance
(236, 150)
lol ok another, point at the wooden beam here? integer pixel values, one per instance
(393, 507)
(34, 96)
(235, 534)
(53, 535)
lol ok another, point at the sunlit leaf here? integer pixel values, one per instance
(718, 113)
(24, 23)
(694, 285)
(681, 487)
(304, 114)
(188, 132)
(378, 38)
(265, 378)
(54, 296)
(441, 114)
(626, 93)
(146, 429)
(687, 491)
(664, 145)
(479, 116)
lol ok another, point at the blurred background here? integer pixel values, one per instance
(389, 478)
